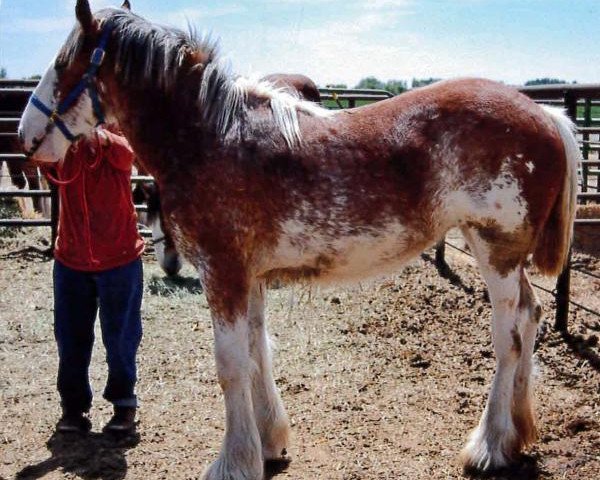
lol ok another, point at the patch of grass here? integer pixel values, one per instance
(345, 103)
(595, 111)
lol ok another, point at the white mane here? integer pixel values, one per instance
(223, 99)
(146, 53)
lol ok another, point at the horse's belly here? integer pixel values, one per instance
(344, 254)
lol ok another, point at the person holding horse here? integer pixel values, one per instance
(97, 269)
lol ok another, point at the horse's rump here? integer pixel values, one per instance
(390, 179)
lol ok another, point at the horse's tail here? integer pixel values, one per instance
(552, 250)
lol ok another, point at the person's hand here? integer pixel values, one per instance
(103, 138)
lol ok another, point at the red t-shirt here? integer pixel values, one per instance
(97, 228)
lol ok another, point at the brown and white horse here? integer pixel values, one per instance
(279, 187)
(164, 247)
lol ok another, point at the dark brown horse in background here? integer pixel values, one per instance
(277, 187)
(25, 175)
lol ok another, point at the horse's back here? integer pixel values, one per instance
(393, 177)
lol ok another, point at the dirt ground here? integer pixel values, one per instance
(383, 380)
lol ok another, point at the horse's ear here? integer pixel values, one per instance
(126, 5)
(84, 15)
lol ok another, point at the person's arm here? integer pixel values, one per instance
(117, 149)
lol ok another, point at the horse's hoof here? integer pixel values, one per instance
(225, 470)
(283, 457)
(480, 455)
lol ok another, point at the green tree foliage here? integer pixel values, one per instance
(393, 86)
(370, 82)
(2, 72)
(422, 82)
(35, 77)
(544, 81)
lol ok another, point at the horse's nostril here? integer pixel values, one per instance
(21, 136)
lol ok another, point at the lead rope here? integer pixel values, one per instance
(86, 212)
(63, 183)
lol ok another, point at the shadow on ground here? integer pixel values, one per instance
(95, 456)
(526, 468)
(273, 468)
(167, 286)
(583, 348)
(31, 254)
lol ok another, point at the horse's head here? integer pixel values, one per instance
(66, 103)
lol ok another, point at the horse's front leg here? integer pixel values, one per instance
(241, 455)
(271, 419)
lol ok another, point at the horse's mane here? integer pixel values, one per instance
(145, 52)
(148, 53)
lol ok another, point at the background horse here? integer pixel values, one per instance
(278, 187)
(25, 175)
(164, 247)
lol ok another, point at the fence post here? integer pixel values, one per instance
(563, 287)
(54, 209)
(587, 122)
(563, 283)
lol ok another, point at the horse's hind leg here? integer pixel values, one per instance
(33, 179)
(271, 419)
(46, 202)
(15, 171)
(530, 312)
(495, 441)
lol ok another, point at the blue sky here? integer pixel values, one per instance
(342, 41)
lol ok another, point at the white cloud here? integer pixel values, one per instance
(336, 51)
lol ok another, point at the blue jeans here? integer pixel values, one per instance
(117, 293)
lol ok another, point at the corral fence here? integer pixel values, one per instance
(14, 95)
(13, 98)
(581, 102)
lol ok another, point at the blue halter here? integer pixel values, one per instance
(86, 82)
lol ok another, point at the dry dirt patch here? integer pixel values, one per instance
(382, 380)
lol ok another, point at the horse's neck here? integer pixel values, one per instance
(165, 129)
(152, 120)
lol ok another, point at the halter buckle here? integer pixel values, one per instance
(53, 116)
(97, 56)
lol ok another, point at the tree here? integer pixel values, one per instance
(372, 83)
(544, 81)
(422, 82)
(395, 86)
(392, 86)
(2, 72)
